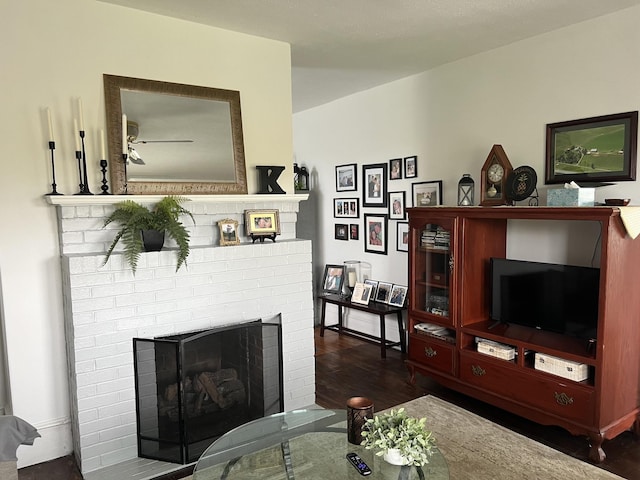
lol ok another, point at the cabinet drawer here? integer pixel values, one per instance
(562, 398)
(431, 353)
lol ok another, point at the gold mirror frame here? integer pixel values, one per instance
(112, 87)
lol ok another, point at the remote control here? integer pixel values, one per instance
(357, 462)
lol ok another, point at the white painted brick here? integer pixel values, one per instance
(96, 402)
(95, 378)
(119, 409)
(114, 361)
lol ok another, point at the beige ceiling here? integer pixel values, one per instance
(339, 47)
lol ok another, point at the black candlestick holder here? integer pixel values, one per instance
(85, 179)
(80, 184)
(103, 169)
(54, 191)
(125, 159)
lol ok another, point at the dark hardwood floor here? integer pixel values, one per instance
(348, 367)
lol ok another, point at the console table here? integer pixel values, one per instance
(376, 308)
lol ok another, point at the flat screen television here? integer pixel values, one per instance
(546, 296)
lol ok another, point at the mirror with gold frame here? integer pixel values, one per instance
(181, 139)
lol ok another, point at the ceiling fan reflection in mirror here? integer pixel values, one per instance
(132, 139)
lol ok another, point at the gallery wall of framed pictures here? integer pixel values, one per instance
(380, 210)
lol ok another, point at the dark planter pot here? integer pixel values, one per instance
(153, 240)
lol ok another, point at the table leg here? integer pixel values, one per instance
(324, 309)
(383, 340)
(339, 318)
(403, 339)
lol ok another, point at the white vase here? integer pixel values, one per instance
(394, 457)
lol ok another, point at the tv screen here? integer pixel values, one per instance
(546, 296)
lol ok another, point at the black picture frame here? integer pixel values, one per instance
(341, 231)
(346, 207)
(592, 150)
(333, 279)
(397, 205)
(395, 169)
(374, 185)
(411, 167)
(354, 231)
(376, 233)
(402, 237)
(347, 178)
(426, 194)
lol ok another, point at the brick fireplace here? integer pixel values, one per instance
(106, 307)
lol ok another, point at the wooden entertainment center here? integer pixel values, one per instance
(449, 298)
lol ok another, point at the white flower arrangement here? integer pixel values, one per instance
(396, 430)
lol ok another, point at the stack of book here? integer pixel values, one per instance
(435, 237)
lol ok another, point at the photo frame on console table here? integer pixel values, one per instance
(333, 279)
(261, 224)
(592, 150)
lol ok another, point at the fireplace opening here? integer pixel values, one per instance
(193, 387)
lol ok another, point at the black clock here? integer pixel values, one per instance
(521, 183)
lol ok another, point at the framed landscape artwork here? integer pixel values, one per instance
(592, 150)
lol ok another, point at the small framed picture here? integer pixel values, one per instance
(396, 205)
(374, 287)
(402, 242)
(395, 169)
(346, 178)
(374, 193)
(262, 222)
(228, 232)
(333, 279)
(410, 167)
(384, 292)
(376, 233)
(342, 231)
(354, 231)
(398, 295)
(361, 293)
(427, 194)
(346, 207)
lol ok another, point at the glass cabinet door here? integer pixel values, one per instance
(433, 270)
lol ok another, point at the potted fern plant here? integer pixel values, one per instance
(140, 224)
(400, 439)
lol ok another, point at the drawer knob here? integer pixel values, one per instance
(430, 352)
(478, 371)
(563, 398)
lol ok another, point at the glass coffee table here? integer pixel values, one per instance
(303, 445)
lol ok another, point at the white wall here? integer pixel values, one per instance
(51, 54)
(451, 116)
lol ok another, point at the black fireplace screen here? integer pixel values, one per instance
(194, 387)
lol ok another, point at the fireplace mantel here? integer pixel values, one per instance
(88, 200)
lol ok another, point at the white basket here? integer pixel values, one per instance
(563, 368)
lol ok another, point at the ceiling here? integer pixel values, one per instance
(340, 47)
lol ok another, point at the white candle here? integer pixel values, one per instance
(352, 279)
(103, 155)
(51, 139)
(76, 134)
(125, 147)
(81, 114)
